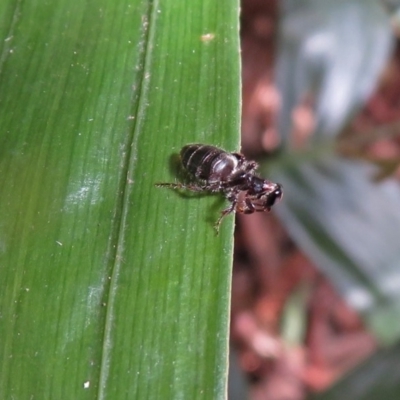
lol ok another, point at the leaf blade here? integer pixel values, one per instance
(67, 173)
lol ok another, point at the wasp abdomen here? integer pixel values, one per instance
(208, 162)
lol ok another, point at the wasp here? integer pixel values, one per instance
(211, 169)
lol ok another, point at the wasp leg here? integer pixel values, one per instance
(232, 197)
(248, 166)
(248, 207)
(224, 213)
(177, 186)
(251, 166)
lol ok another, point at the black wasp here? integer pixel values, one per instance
(215, 170)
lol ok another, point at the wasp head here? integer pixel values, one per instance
(272, 193)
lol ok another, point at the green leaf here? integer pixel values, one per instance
(347, 224)
(112, 288)
(330, 55)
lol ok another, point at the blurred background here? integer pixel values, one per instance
(316, 282)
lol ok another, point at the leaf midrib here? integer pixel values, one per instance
(126, 186)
